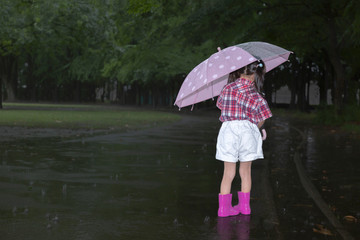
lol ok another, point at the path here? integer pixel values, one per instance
(159, 183)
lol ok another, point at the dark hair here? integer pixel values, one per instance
(257, 68)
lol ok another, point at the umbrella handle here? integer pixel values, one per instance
(264, 134)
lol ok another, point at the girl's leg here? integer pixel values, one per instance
(245, 175)
(225, 197)
(228, 177)
(244, 196)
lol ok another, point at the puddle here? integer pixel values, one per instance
(154, 184)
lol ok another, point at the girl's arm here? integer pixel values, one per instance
(219, 102)
(260, 124)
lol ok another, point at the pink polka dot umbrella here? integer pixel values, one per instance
(208, 78)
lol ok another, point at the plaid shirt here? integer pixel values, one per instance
(239, 100)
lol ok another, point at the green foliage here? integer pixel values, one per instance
(139, 7)
(52, 44)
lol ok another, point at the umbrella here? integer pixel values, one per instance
(208, 78)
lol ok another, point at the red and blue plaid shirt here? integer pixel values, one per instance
(239, 100)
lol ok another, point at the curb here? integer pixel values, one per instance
(314, 193)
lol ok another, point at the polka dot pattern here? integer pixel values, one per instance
(208, 78)
(208, 73)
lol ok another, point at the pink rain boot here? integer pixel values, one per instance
(244, 203)
(225, 207)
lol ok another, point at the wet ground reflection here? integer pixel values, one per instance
(332, 161)
(155, 184)
(143, 185)
(237, 227)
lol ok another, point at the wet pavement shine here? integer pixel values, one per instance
(163, 182)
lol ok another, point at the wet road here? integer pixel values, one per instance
(330, 159)
(160, 183)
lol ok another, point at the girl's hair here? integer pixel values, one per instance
(257, 68)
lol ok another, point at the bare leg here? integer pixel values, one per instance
(245, 175)
(228, 177)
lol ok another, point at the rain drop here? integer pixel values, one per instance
(26, 210)
(55, 219)
(14, 210)
(31, 183)
(64, 188)
(207, 219)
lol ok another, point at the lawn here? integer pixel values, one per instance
(80, 116)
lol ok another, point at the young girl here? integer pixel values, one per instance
(243, 112)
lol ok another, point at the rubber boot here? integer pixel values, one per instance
(244, 203)
(225, 207)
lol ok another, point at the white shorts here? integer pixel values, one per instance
(239, 140)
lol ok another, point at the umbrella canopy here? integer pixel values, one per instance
(208, 78)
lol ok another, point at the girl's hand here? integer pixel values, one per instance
(263, 134)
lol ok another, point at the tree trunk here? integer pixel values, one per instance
(326, 80)
(353, 89)
(322, 89)
(293, 93)
(1, 95)
(10, 92)
(8, 73)
(301, 88)
(337, 66)
(294, 83)
(268, 89)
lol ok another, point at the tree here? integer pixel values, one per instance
(12, 35)
(311, 28)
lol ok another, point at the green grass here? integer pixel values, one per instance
(80, 116)
(294, 114)
(348, 120)
(48, 105)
